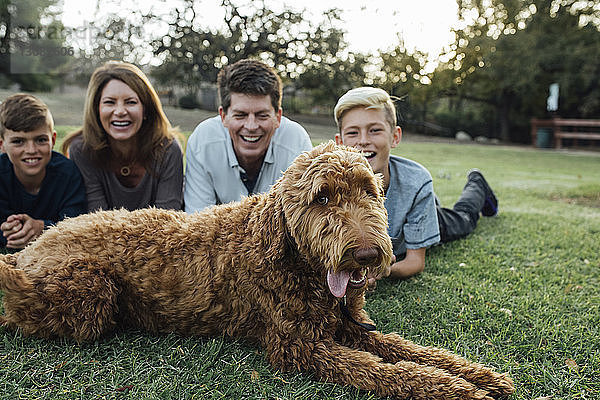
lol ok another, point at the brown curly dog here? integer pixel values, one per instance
(276, 268)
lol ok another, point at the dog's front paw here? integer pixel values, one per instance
(499, 386)
(502, 387)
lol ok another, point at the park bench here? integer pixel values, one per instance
(562, 128)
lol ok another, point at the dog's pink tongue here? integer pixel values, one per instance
(337, 282)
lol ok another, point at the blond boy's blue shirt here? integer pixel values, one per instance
(410, 203)
(212, 173)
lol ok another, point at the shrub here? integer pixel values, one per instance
(189, 101)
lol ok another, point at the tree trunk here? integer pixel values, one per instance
(503, 110)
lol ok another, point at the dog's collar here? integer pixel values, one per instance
(346, 313)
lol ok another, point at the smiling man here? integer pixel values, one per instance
(244, 149)
(38, 187)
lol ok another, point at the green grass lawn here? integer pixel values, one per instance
(522, 294)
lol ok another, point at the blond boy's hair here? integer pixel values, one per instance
(22, 112)
(368, 98)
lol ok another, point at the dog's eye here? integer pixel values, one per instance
(322, 200)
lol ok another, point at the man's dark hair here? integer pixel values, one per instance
(23, 113)
(250, 77)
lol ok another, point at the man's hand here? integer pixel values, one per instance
(20, 229)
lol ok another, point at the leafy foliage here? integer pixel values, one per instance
(31, 44)
(491, 81)
(311, 55)
(402, 74)
(113, 38)
(508, 53)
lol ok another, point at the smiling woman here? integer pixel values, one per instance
(126, 150)
(121, 112)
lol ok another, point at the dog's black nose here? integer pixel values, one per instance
(365, 256)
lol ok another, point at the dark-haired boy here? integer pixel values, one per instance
(38, 187)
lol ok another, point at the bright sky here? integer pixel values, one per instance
(371, 25)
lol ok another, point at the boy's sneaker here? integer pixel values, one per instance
(490, 205)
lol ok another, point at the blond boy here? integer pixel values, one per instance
(366, 119)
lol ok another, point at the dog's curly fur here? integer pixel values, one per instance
(256, 269)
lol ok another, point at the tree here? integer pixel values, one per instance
(193, 54)
(111, 38)
(509, 52)
(190, 54)
(310, 53)
(32, 47)
(568, 52)
(326, 79)
(402, 74)
(329, 69)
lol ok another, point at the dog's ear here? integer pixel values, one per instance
(322, 148)
(380, 186)
(269, 226)
(329, 147)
